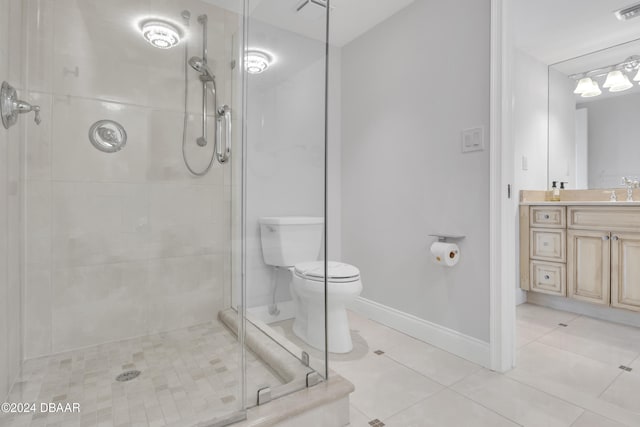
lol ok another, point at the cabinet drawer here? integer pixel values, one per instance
(548, 216)
(549, 278)
(548, 245)
(604, 218)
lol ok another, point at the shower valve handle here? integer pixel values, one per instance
(37, 118)
(24, 107)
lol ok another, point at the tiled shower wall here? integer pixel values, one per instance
(10, 200)
(124, 244)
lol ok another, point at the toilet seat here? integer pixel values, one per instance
(337, 272)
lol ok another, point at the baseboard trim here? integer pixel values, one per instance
(462, 345)
(606, 313)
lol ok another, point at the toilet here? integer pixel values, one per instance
(294, 243)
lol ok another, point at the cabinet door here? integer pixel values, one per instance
(588, 266)
(625, 270)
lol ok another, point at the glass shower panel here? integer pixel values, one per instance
(285, 61)
(127, 254)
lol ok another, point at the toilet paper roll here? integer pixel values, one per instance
(446, 254)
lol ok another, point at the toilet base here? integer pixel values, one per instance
(309, 323)
(339, 333)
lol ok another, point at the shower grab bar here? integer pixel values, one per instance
(223, 152)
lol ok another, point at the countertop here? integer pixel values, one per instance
(581, 203)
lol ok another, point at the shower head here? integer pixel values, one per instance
(200, 66)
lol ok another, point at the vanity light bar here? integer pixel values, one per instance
(628, 65)
(628, 12)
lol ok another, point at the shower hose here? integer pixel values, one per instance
(186, 119)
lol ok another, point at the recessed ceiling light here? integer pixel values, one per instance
(160, 34)
(257, 61)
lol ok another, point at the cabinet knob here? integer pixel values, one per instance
(547, 216)
(547, 277)
(605, 238)
(615, 238)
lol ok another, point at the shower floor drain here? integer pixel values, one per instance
(128, 376)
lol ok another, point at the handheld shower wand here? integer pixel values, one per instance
(201, 66)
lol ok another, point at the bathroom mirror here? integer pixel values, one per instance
(594, 118)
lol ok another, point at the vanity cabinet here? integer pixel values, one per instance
(625, 276)
(589, 266)
(587, 253)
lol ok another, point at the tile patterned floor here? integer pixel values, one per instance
(188, 375)
(567, 376)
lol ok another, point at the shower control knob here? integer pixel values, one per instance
(11, 106)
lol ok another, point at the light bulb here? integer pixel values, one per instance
(584, 85)
(614, 78)
(621, 85)
(594, 90)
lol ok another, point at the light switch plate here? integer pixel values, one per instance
(473, 140)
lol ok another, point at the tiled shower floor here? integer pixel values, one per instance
(188, 375)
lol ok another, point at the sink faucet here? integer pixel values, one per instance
(630, 183)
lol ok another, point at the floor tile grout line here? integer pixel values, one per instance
(573, 352)
(576, 354)
(563, 399)
(584, 411)
(530, 387)
(417, 403)
(425, 375)
(610, 384)
(486, 407)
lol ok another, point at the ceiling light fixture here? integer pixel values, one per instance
(257, 61)
(628, 12)
(160, 34)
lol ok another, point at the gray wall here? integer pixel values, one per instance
(614, 140)
(409, 87)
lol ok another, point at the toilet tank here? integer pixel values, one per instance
(289, 240)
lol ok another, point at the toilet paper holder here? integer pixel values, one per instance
(443, 237)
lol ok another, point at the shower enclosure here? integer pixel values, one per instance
(132, 285)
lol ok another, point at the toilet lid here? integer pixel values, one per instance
(335, 270)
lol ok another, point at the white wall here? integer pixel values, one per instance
(124, 244)
(409, 87)
(530, 120)
(285, 147)
(10, 203)
(562, 129)
(582, 148)
(614, 147)
(530, 124)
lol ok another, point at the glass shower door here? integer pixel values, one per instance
(284, 173)
(126, 253)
